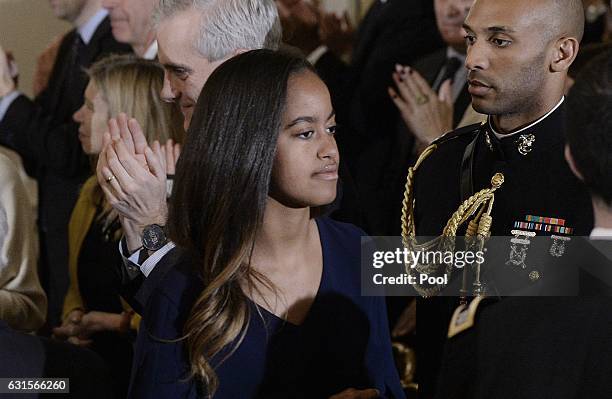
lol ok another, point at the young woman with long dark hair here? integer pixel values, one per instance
(265, 301)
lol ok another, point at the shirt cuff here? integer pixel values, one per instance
(6, 102)
(131, 262)
(316, 54)
(149, 264)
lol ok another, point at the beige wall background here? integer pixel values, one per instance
(26, 28)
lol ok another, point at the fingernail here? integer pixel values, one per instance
(398, 68)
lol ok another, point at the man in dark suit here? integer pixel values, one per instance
(43, 133)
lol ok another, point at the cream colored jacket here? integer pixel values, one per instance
(23, 304)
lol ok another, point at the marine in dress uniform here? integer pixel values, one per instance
(537, 180)
(538, 186)
(552, 347)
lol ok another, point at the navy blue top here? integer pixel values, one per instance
(342, 343)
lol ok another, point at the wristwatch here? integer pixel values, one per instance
(154, 237)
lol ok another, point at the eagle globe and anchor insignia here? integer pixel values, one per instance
(525, 143)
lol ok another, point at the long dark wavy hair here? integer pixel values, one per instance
(222, 183)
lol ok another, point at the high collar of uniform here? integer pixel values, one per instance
(546, 132)
(529, 126)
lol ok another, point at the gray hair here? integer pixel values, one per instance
(229, 25)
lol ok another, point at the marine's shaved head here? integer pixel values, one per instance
(567, 17)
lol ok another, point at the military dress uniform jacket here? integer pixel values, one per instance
(531, 348)
(538, 183)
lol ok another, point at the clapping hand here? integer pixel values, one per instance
(133, 176)
(337, 33)
(427, 114)
(300, 20)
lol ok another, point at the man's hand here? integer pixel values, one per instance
(353, 393)
(7, 84)
(337, 33)
(134, 184)
(138, 193)
(94, 321)
(427, 114)
(79, 326)
(71, 329)
(300, 20)
(406, 322)
(130, 132)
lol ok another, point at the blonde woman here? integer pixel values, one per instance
(94, 315)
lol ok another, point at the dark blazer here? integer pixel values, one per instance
(136, 288)
(395, 31)
(45, 136)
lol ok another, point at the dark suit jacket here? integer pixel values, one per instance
(136, 288)
(396, 31)
(45, 136)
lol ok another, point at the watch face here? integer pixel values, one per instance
(153, 237)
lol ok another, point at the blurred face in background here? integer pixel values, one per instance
(68, 10)
(92, 118)
(131, 20)
(450, 15)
